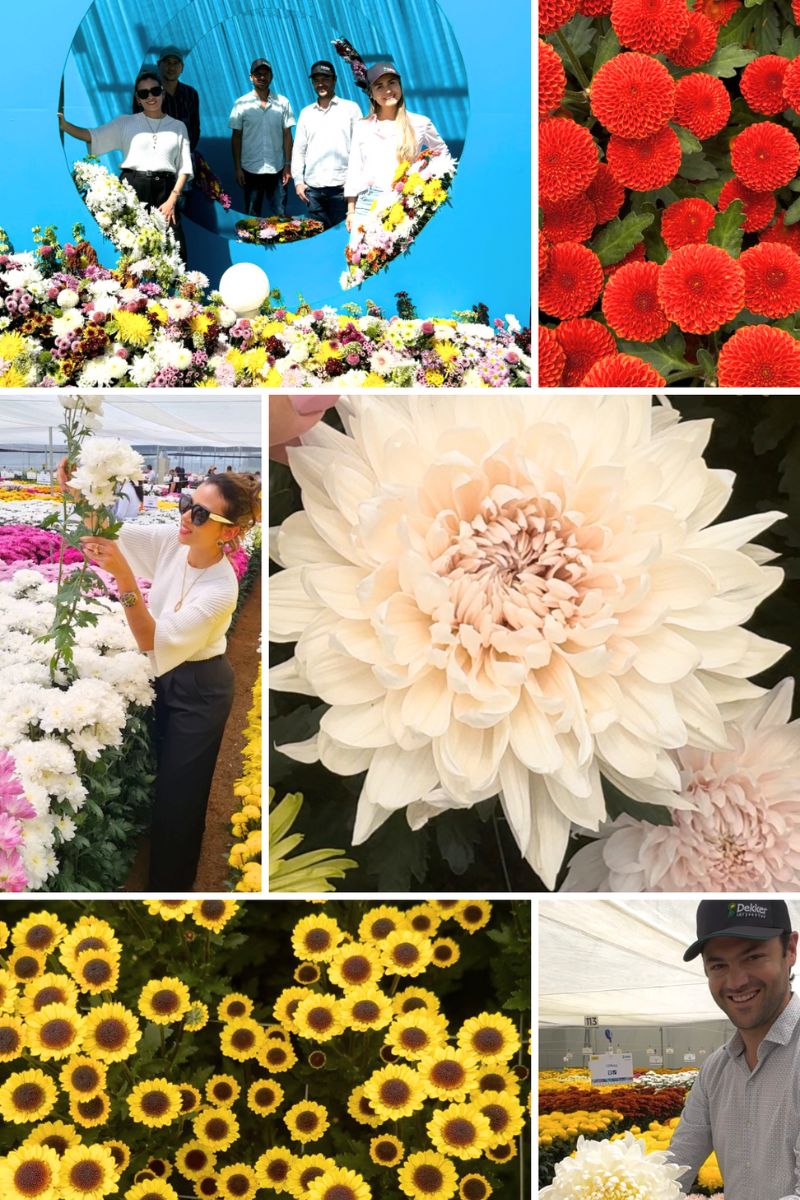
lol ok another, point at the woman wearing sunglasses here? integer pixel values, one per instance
(192, 597)
(156, 161)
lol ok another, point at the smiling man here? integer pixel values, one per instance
(745, 1102)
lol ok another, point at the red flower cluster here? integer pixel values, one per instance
(670, 227)
(637, 1104)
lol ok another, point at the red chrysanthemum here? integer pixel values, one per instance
(606, 195)
(718, 11)
(551, 358)
(622, 370)
(771, 279)
(702, 104)
(650, 25)
(633, 95)
(697, 44)
(791, 85)
(568, 159)
(555, 13)
(687, 221)
(583, 341)
(572, 281)
(568, 220)
(759, 356)
(765, 156)
(552, 79)
(789, 235)
(637, 254)
(796, 10)
(644, 163)
(594, 8)
(761, 83)
(701, 287)
(631, 305)
(758, 206)
(544, 256)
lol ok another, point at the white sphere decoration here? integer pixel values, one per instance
(244, 287)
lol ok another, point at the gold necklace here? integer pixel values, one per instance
(153, 131)
(185, 593)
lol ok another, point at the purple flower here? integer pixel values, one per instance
(10, 832)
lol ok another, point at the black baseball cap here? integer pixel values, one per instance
(749, 918)
(259, 62)
(379, 69)
(323, 67)
(171, 52)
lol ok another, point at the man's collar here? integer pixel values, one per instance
(779, 1033)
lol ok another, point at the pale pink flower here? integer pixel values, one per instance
(511, 595)
(744, 833)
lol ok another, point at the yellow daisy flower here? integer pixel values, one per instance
(155, 1103)
(194, 1159)
(233, 1006)
(395, 1091)
(286, 1004)
(495, 1078)
(27, 1096)
(473, 914)
(190, 1098)
(318, 1017)
(460, 1130)
(474, 1187)
(87, 1173)
(50, 988)
(446, 907)
(264, 1096)
(237, 1181)
(307, 973)
(427, 1175)
(415, 1034)
(170, 910)
(25, 965)
(492, 1036)
(4, 935)
(386, 1150)
(222, 1089)
(505, 1114)
(88, 933)
(448, 1073)
(446, 952)
(30, 1173)
(273, 1167)
(217, 1128)
(41, 931)
(164, 1001)
(96, 971)
(412, 999)
(120, 1152)
(276, 1056)
(423, 918)
(152, 1189)
(242, 1039)
(161, 1167)
(91, 1112)
(12, 1037)
(110, 1032)
(55, 1031)
(83, 1077)
(316, 937)
(197, 1017)
(355, 965)
(306, 1121)
(339, 1183)
(133, 329)
(304, 1170)
(56, 1134)
(206, 1187)
(502, 1153)
(8, 991)
(406, 952)
(361, 1108)
(379, 922)
(365, 1008)
(214, 914)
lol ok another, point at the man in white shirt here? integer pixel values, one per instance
(322, 147)
(261, 142)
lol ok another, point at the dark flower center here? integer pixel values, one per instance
(243, 1039)
(307, 973)
(318, 939)
(405, 953)
(365, 1010)
(414, 1037)
(428, 1178)
(498, 1117)
(84, 1079)
(86, 1176)
(97, 970)
(310, 1174)
(386, 1151)
(307, 1121)
(236, 1008)
(57, 1033)
(448, 1074)
(9, 1039)
(89, 943)
(473, 1189)
(165, 1000)
(32, 1177)
(443, 952)
(459, 1132)
(395, 1092)
(91, 1109)
(412, 1003)
(196, 1160)
(56, 1142)
(26, 966)
(111, 1033)
(356, 969)
(278, 1169)
(155, 1104)
(27, 1097)
(238, 1185)
(39, 937)
(488, 1041)
(320, 1018)
(222, 1090)
(383, 927)
(276, 1056)
(49, 995)
(217, 1129)
(472, 913)
(212, 909)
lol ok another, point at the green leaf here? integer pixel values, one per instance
(789, 46)
(618, 803)
(792, 214)
(736, 31)
(666, 355)
(753, 3)
(708, 364)
(727, 230)
(452, 837)
(689, 143)
(768, 32)
(607, 48)
(579, 33)
(618, 237)
(727, 60)
(697, 166)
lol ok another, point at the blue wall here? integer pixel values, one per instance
(470, 74)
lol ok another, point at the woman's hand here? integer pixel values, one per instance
(62, 124)
(167, 209)
(63, 474)
(348, 221)
(106, 554)
(289, 416)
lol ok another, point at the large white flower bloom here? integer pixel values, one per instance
(741, 834)
(103, 465)
(509, 596)
(609, 1170)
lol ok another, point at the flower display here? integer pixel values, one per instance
(104, 465)
(516, 601)
(277, 231)
(418, 189)
(599, 1169)
(245, 855)
(690, 109)
(207, 181)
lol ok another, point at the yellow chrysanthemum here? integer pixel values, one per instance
(306, 1121)
(373, 380)
(237, 1181)
(386, 1150)
(170, 910)
(88, 933)
(415, 1034)
(133, 329)
(217, 1128)
(214, 914)
(12, 378)
(223, 1090)
(378, 923)
(58, 1135)
(242, 1039)
(111, 1032)
(365, 1008)
(447, 351)
(158, 311)
(316, 937)
(286, 1004)
(354, 965)
(446, 952)
(460, 1130)
(427, 1175)
(90, 1112)
(434, 379)
(339, 1183)
(197, 1017)
(493, 1037)
(395, 1091)
(120, 1152)
(27, 1096)
(96, 971)
(200, 323)
(502, 1153)
(505, 1115)
(276, 1056)
(30, 1173)
(423, 918)
(12, 1037)
(448, 1073)
(12, 345)
(273, 1168)
(155, 1103)
(8, 991)
(25, 965)
(304, 1170)
(264, 1096)
(473, 914)
(233, 1006)
(83, 1077)
(161, 1167)
(191, 1100)
(164, 1001)
(151, 1189)
(87, 1173)
(50, 988)
(406, 952)
(194, 1159)
(474, 1187)
(496, 1078)
(362, 1110)
(318, 1017)
(394, 216)
(306, 974)
(41, 931)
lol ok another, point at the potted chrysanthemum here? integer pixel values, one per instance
(598, 1170)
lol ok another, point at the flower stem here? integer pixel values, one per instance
(577, 69)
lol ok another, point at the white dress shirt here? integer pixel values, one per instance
(373, 154)
(146, 144)
(262, 127)
(322, 142)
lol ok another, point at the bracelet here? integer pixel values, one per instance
(128, 599)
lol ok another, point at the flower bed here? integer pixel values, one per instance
(246, 823)
(277, 231)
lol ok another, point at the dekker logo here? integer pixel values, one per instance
(737, 909)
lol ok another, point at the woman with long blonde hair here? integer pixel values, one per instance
(387, 136)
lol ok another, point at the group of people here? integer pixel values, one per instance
(339, 159)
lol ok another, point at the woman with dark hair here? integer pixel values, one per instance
(157, 161)
(182, 629)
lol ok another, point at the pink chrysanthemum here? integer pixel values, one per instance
(701, 287)
(687, 221)
(642, 164)
(552, 79)
(758, 206)
(698, 43)
(702, 104)
(622, 370)
(791, 85)
(765, 156)
(637, 254)
(572, 281)
(779, 232)
(606, 195)
(739, 835)
(771, 279)
(761, 83)
(551, 358)
(555, 13)
(759, 356)
(650, 25)
(631, 305)
(568, 220)
(633, 95)
(568, 159)
(583, 341)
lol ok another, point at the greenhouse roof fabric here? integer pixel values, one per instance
(622, 961)
(195, 420)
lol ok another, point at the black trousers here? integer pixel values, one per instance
(193, 701)
(327, 204)
(153, 189)
(258, 188)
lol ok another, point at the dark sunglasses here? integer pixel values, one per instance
(143, 93)
(200, 514)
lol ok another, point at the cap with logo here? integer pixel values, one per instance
(323, 67)
(259, 62)
(756, 919)
(171, 52)
(379, 69)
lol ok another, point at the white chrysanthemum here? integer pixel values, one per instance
(615, 1170)
(739, 836)
(103, 465)
(511, 595)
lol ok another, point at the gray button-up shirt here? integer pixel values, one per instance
(750, 1118)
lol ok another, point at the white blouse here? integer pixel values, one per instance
(197, 631)
(146, 144)
(373, 153)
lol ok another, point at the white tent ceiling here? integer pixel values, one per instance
(622, 960)
(197, 420)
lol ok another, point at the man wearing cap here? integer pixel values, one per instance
(322, 147)
(261, 142)
(745, 1102)
(180, 101)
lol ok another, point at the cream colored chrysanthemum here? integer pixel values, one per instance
(511, 597)
(607, 1170)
